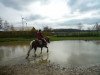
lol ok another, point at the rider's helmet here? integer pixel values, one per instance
(39, 30)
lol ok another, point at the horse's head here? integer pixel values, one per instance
(47, 39)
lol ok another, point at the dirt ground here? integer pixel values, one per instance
(48, 69)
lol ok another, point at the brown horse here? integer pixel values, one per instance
(38, 43)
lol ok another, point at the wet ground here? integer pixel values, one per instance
(64, 58)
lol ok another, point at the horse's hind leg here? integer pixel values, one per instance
(35, 51)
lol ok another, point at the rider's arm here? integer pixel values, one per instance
(42, 35)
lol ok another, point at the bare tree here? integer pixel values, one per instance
(6, 26)
(33, 29)
(89, 28)
(1, 23)
(47, 29)
(12, 28)
(80, 26)
(97, 26)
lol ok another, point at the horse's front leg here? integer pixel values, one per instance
(47, 49)
(35, 51)
(41, 49)
(28, 53)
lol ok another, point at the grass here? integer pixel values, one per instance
(52, 38)
(74, 38)
(14, 39)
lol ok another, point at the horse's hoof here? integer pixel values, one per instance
(35, 55)
(27, 57)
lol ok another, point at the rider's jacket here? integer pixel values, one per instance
(39, 35)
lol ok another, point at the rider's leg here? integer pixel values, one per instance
(44, 40)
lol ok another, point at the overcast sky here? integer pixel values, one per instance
(53, 13)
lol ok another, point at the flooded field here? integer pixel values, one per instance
(60, 52)
(64, 58)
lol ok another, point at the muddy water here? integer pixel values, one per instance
(76, 52)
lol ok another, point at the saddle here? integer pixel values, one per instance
(42, 42)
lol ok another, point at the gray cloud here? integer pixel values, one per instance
(74, 5)
(83, 21)
(84, 5)
(73, 22)
(16, 4)
(19, 4)
(35, 17)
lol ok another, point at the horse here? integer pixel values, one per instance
(38, 43)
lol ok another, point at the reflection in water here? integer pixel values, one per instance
(9, 52)
(39, 59)
(74, 52)
(96, 42)
(60, 52)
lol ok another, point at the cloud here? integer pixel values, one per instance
(16, 4)
(19, 4)
(83, 21)
(55, 9)
(35, 17)
(54, 13)
(9, 14)
(84, 5)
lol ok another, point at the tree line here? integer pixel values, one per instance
(7, 30)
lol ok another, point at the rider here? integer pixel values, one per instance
(39, 36)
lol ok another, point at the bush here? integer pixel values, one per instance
(16, 34)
